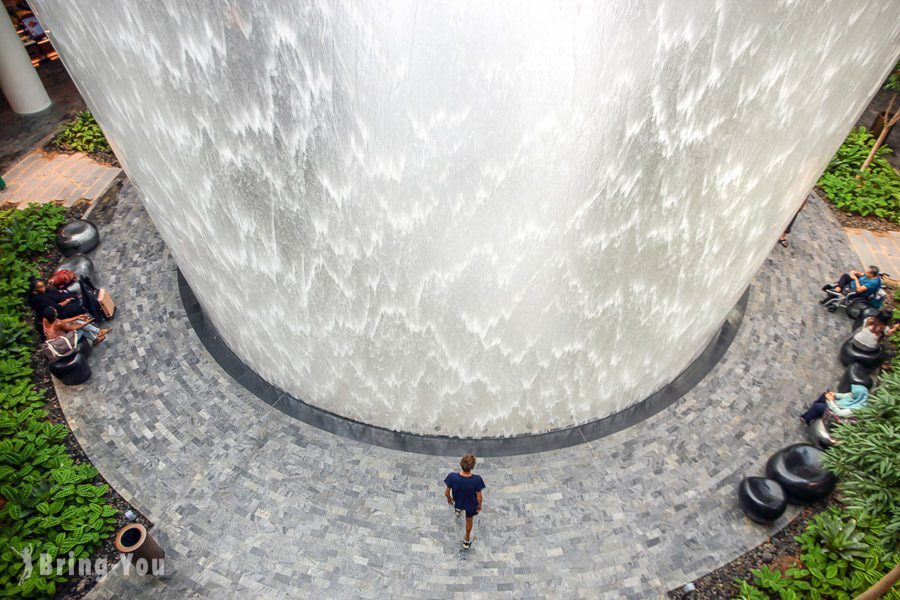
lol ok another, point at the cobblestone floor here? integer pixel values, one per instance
(252, 504)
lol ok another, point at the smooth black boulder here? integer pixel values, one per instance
(77, 237)
(867, 312)
(73, 369)
(851, 354)
(798, 468)
(818, 434)
(856, 374)
(79, 264)
(762, 499)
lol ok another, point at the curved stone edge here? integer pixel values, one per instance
(443, 445)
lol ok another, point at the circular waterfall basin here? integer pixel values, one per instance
(472, 219)
(443, 445)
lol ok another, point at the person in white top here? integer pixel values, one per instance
(869, 336)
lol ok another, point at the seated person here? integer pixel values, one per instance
(62, 279)
(81, 288)
(840, 404)
(41, 296)
(866, 284)
(869, 336)
(55, 327)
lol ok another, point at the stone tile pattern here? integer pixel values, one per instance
(877, 248)
(54, 177)
(253, 504)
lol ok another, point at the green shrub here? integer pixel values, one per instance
(867, 458)
(82, 135)
(841, 556)
(49, 504)
(874, 192)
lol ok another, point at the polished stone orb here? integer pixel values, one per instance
(73, 369)
(870, 360)
(79, 264)
(866, 312)
(856, 374)
(856, 308)
(817, 432)
(77, 237)
(762, 499)
(798, 468)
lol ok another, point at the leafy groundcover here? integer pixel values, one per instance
(875, 192)
(83, 134)
(48, 503)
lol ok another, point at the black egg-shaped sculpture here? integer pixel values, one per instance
(84, 347)
(817, 432)
(856, 308)
(851, 354)
(798, 468)
(867, 312)
(855, 374)
(79, 264)
(75, 288)
(762, 499)
(73, 369)
(77, 237)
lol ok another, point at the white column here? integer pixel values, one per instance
(18, 79)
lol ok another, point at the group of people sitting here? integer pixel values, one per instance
(865, 285)
(60, 311)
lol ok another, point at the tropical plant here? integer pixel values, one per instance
(866, 458)
(890, 116)
(83, 134)
(873, 192)
(841, 557)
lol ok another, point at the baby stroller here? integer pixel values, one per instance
(853, 303)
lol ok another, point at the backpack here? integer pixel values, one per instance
(61, 347)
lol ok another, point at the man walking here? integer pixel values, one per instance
(464, 493)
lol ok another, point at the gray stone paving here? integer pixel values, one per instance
(252, 504)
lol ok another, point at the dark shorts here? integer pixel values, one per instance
(469, 515)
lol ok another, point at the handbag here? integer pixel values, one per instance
(60, 347)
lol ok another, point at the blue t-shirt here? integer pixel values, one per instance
(872, 284)
(464, 489)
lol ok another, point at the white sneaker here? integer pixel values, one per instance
(458, 512)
